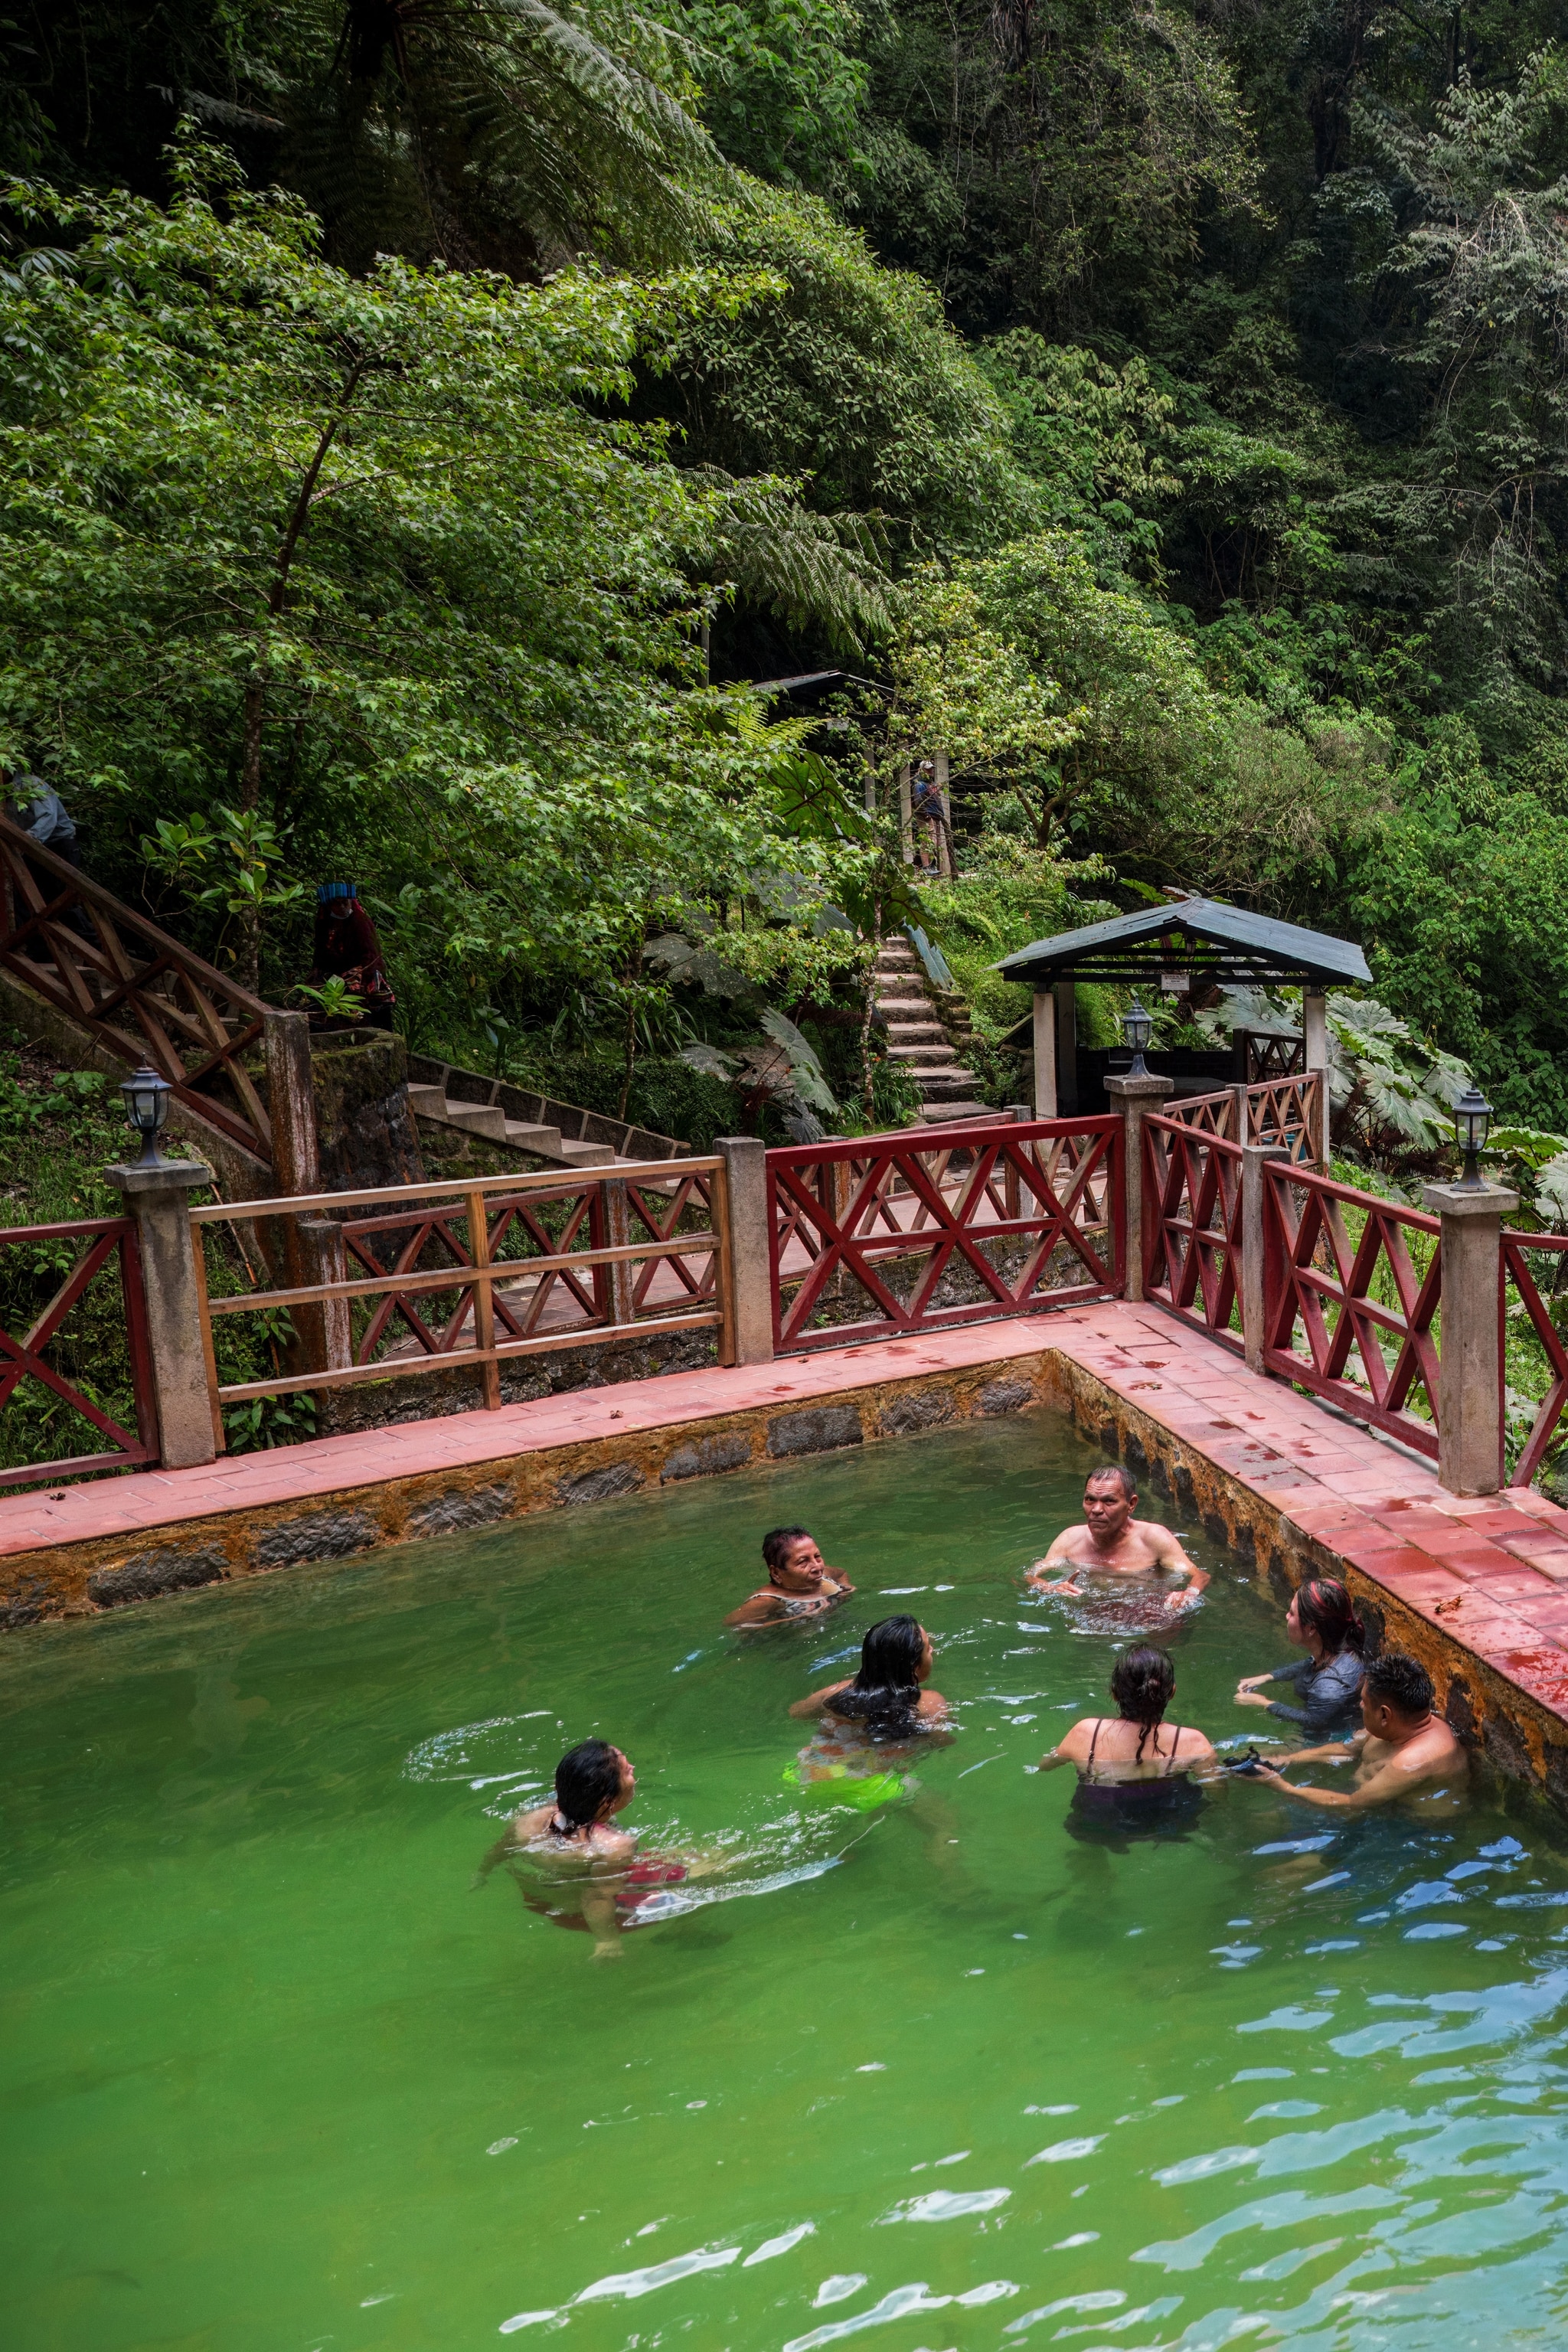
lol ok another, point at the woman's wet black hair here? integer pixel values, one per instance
(587, 1778)
(776, 1545)
(1323, 1604)
(1141, 1682)
(886, 1694)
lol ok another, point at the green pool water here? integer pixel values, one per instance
(277, 2075)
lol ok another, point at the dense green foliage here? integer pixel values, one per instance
(1162, 409)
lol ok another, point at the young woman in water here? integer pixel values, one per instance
(870, 1723)
(1321, 1620)
(1135, 1769)
(589, 1875)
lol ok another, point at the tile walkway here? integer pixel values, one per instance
(1492, 1571)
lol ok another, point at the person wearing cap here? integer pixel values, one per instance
(347, 948)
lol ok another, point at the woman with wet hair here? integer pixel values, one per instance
(587, 1872)
(866, 1720)
(1322, 1620)
(1135, 1769)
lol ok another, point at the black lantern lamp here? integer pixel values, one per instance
(1472, 1124)
(147, 1107)
(1137, 1028)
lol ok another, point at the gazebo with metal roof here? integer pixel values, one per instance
(1174, 948)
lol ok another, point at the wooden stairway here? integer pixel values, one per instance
(918, 1036)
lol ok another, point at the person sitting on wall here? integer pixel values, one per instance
(347, 948)
(1321, 1620)
(800, 1583)
(1111, 1542)
(1403, 1750)
(584, 1872)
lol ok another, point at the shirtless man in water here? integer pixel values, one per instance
(1405, 1750)
(1112, 1542)
(800, 1582)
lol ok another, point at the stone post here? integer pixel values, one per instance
(159, 1200)
(750, 1308)
(1239, 1102)
(1044, 1053)
(1469, 1397)
(1258, 1277)
(906, 816)
(1315, 1056)
(291, 1101)
(1135, 1097)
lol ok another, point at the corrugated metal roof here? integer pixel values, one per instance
(1230, 943)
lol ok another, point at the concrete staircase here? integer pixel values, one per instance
(491, 1121)
(501, 1113)
(919, 1038)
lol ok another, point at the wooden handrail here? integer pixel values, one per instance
(391, 1197)
(88, 980)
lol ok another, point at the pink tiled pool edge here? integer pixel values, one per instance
(1488, 1573)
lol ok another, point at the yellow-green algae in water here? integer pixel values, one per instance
(277, 2076)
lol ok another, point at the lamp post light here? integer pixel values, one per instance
(1472, 1124)
(146, 1096)
(1137, 1028)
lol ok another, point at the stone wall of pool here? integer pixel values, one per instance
(1475, 1587)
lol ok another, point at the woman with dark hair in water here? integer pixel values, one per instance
(1322, 1620)
(590, 1876)
(870, 1716)
(1134, 1767)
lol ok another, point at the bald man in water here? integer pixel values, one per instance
(1109, 1541)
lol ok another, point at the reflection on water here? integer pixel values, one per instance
(279, 2073)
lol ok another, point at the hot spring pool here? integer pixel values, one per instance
(279, 2079)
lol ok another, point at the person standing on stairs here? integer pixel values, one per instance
(43, 817)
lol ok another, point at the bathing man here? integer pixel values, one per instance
(800, 1582)
(1111, 1542)
(1405, 1751)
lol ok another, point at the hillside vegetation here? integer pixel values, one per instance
(420, 430)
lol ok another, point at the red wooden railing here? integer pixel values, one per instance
(479, 1273)
(978, 1211)
(1279, 1110)
(136, 990)
(1316, 1276)
(1516, 1248)
(25, 1357)
(1192, 1225)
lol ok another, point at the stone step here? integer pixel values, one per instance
(524, 1137)
(588, 1155)
(428, 1102)
(916, 1033)
(944, 1113)
(488, 1120)
(937, 1056)
(939, 1085)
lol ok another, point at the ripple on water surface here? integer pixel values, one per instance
(930, 2074)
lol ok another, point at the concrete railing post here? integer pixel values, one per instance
(750, 1311)
(1012, 1191)
(1135, 1099)
(1255, 1268)
(1045, 1053)
(1315, 1056)
(159, 1200)
(1469, 1399)
(291, 1101)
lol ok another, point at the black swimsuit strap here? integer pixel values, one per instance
(1094, 1741)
